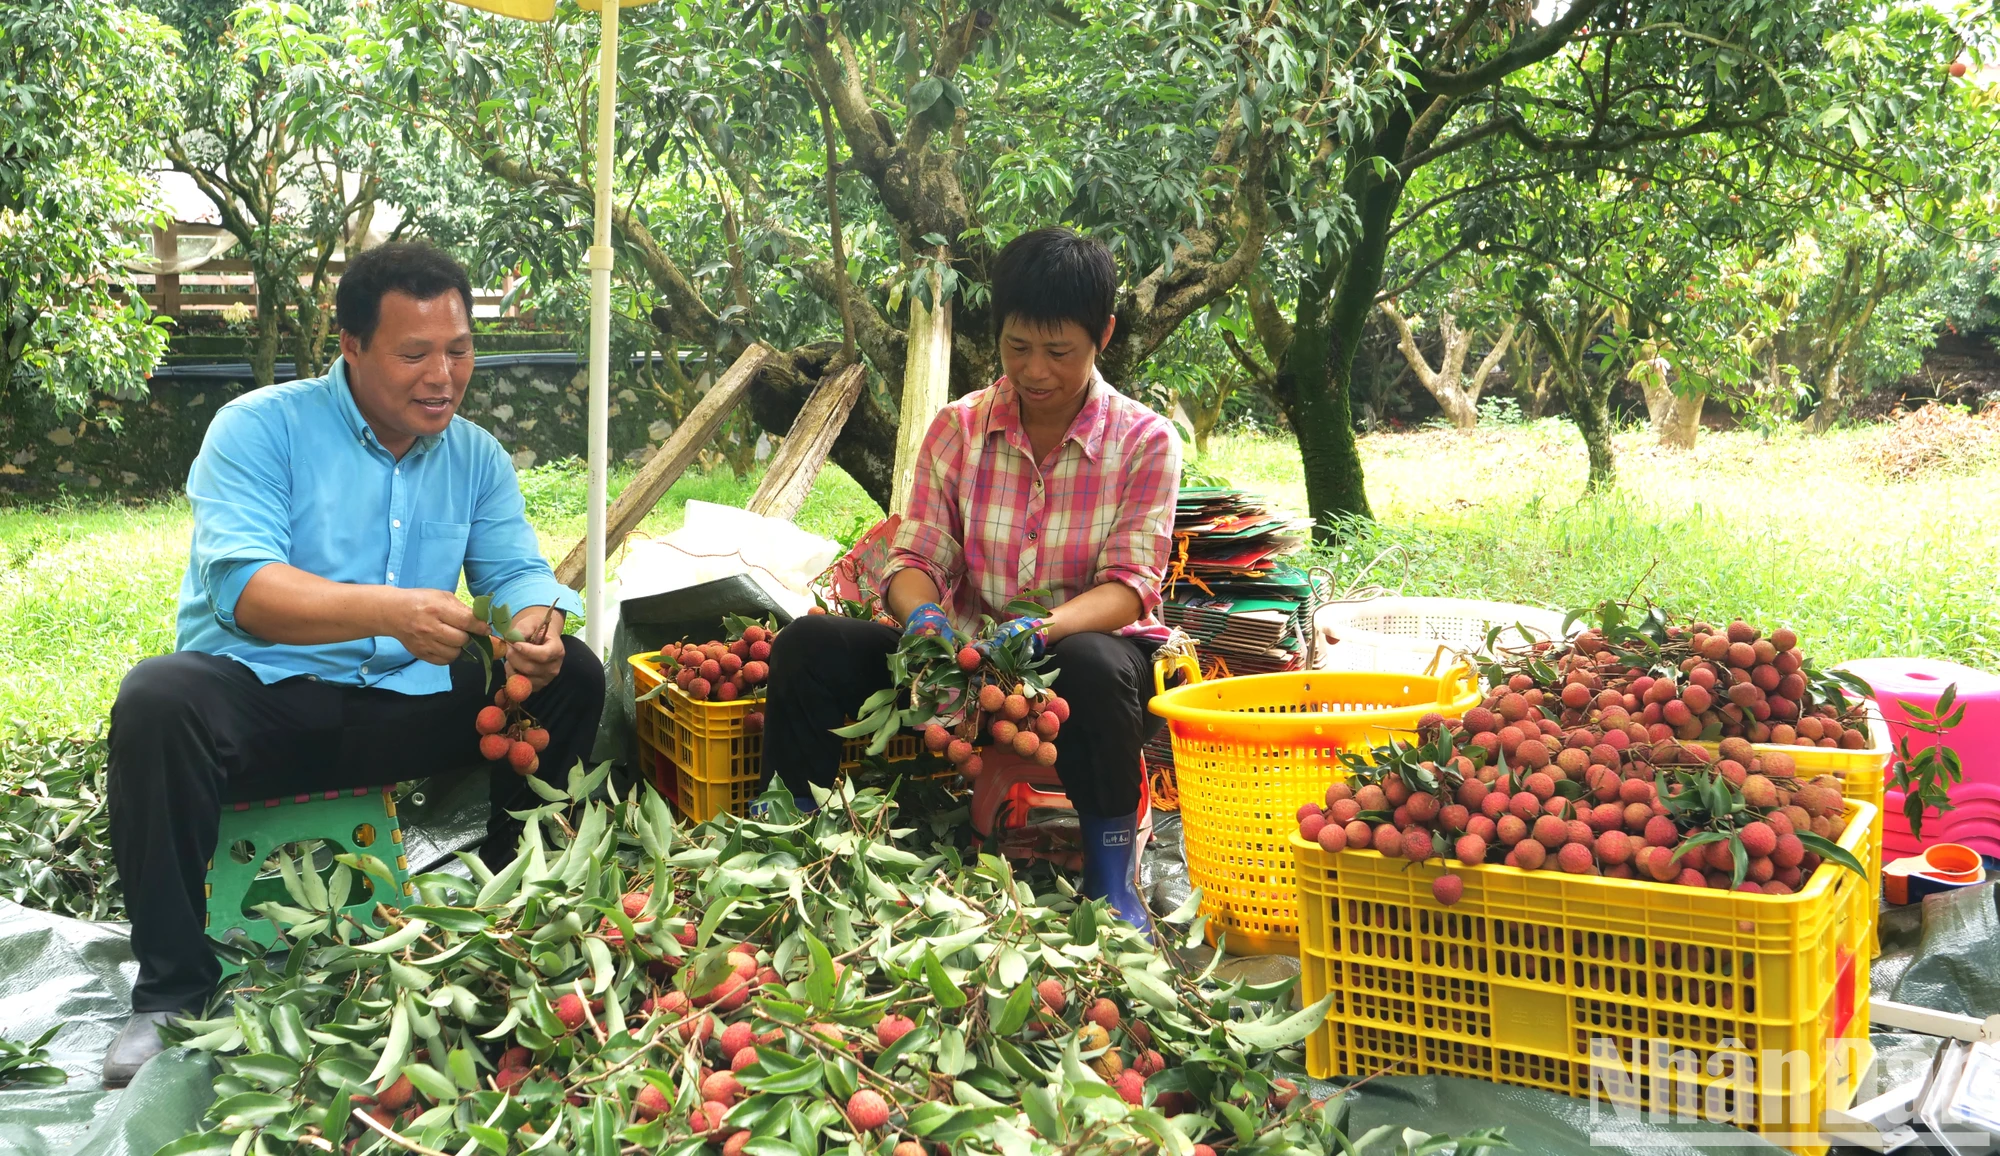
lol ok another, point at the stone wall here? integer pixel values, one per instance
(532, 400)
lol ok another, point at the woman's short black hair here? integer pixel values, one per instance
(1054, 275)
(422, 271)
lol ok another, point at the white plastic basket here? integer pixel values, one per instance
(1403, 635)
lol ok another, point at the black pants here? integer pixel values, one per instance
(190, 732)
(823, 667)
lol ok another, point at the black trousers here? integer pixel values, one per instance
(823, 667)
(190, 732)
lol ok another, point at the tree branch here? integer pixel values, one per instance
(1526, 50)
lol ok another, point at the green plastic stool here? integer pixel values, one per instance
(357, 821)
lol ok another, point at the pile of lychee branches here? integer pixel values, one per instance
(793, 985)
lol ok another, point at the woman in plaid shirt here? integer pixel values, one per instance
(1048, 479)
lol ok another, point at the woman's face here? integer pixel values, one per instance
(1050, 365)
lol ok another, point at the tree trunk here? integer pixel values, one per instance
(264, 346)
(1586, 396)
(1831, 402)
(1311, 388)
(1589, 405)
(866, 448)
(1676, 417)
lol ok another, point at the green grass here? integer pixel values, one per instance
(1794, 530)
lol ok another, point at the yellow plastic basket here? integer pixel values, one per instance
(1248, 751)
(1863, 775)
(703, 760)
(1751, 1009)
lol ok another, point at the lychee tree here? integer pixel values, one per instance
(801, 984)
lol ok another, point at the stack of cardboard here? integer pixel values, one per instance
(1232, 589)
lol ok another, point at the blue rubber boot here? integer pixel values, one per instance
(1110, 862)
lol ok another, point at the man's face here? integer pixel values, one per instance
(1049, 365)
(410, 376)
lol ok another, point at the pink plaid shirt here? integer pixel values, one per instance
(988, 523)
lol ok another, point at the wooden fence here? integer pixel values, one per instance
(221, 282)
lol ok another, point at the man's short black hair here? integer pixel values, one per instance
(422, 271)
(1054, 275)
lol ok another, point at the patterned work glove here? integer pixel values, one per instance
(1014, 628)
(928, 619)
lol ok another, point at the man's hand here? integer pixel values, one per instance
(537, 659)
(431, 624)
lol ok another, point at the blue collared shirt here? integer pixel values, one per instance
(292, 473)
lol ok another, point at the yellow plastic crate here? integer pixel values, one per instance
(704, 762)
(1753, 1005)
(1248, 751)
(1863, 775)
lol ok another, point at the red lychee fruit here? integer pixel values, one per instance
(736, 1037)
(1131, 1087)
(493, 748)
(968, 659)
(1047, 725)
(1052, 995)
(1026, 743)
(1283, 1092)
(1759, 839)
(958, 751)
(1149, 1062)
(1660, 832)
(569, 1011)
(1333, 837)
(721, 1088)
(519, 755)
(395, 1095)
(742, 1058)
(1104, 1014)
(649, 1103)
(891, 1028)
(866, 1109)
(1448, 889)
(936, 738)
(991, 698)
(1529, 855)
(491, 721)
(1418, 845)
(1614, 847)
(1575, 859)
(707, 1120)
(1311, 826)
(1015, 708)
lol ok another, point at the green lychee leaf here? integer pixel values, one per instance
(1830, 851)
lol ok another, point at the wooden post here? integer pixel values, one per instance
(167, 251)
(811, 438)
(926, 389)
(671, 460)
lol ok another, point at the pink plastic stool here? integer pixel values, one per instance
(1975, 819)
(1020, 804)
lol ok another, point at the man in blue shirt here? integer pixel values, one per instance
(320, 627)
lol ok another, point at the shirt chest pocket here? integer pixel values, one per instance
(440, 554)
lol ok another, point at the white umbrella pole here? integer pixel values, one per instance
(600, 329)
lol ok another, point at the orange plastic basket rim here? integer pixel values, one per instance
(1860, 814)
